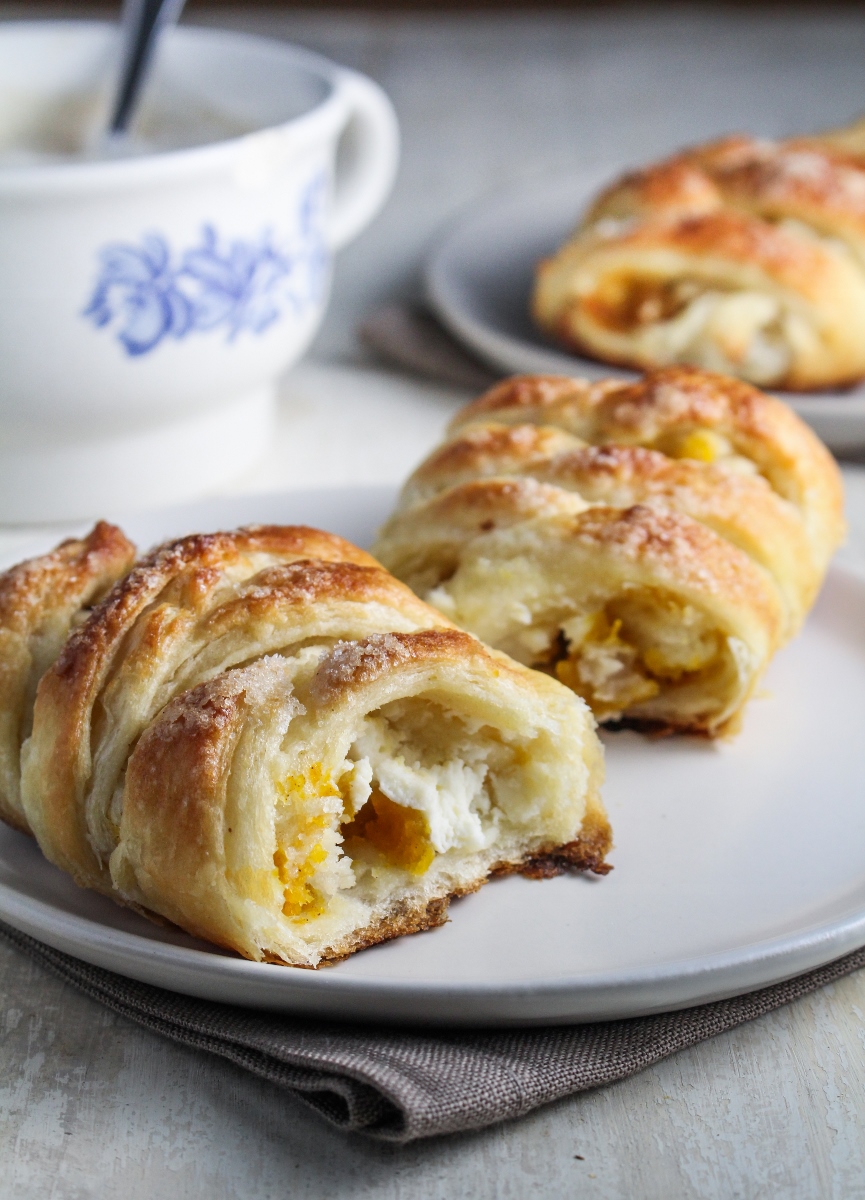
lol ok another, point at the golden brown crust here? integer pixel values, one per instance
(660, 400)
(685, 550)
(586, 853)
(403, 921)
(671, 402)
(794, 180)
(183, 759)
(78, 566)
(741, 507)
(739, 237)
(486, 450)
(669, 189)
(521, 398)
(39, 600)
(351, 664)
(195, 565)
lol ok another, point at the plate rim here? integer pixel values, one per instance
(680, 984)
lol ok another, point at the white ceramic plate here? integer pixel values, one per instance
(735, 865)
(479, 281)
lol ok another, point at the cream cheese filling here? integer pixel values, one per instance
(450, 793)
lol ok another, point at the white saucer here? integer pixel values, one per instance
(736, 865)
(479, 281)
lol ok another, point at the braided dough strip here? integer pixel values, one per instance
(686, 413)
(40, 601)
(183, 614)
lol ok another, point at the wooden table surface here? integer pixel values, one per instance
(91, 1106)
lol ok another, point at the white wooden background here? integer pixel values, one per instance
(91, 1106)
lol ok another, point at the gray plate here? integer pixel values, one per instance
(479, 281)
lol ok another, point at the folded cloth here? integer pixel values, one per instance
(400, 1085)
(409, 336)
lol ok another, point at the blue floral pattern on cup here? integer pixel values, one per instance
(146, 293)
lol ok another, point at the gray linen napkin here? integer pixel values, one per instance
(399, 1085)
(408, 336)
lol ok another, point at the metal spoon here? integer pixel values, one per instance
(142, 22)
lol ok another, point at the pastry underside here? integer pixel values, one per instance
(744, 256)
(268, 740)
(650, 544)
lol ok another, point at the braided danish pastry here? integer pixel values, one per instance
(651, 544)
(744, 256)
(265, 738)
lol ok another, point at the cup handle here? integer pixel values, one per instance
(367, 158)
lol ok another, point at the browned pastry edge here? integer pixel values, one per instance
(585, 853)
(739, 236)
(670, 188)
(523, 392)
(307, 582)
(398, 923)
(676, 394)
(793, 210)
(678, 398)
(672, 541)
(59, 585)
(200, 723)
(791, 178)
(770, 178)
(59, 573)
(202, 555)
(360, 662)
(526, 442)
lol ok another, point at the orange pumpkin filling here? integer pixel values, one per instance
(301, 899)
(399, 834)
(626, 302)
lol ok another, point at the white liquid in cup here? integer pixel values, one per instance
(37, 129)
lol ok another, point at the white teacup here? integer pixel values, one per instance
(148, 303)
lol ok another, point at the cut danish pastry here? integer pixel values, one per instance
(655, 571)
(340, 796)
(265, 738)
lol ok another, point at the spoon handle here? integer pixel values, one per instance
(142, 21)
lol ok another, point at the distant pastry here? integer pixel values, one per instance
(650, 544)
(744, 256)
(268, 740)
